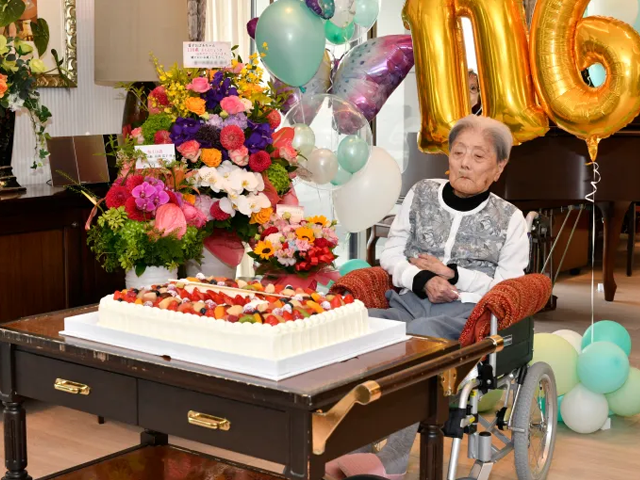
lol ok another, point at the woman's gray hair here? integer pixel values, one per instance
(497, 132)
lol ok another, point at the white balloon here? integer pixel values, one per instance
(584, 411)
(623, 10)
(304, 139)
(323, 165)
(371, 193)
(345, 13)
(574, 338)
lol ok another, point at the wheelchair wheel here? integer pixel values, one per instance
(535, 423)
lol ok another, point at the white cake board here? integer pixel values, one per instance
(382, 333)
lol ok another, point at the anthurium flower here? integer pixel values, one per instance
(170, 220)
(37, 66)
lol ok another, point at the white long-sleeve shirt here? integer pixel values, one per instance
(488, 244)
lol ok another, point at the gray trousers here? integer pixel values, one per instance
(442, 320)
(423, 318)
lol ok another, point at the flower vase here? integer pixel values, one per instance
(8, 182)
(211, 266)
(151, 276)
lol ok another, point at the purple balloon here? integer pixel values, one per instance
(325, 9)
(251, 27)
(369, 73)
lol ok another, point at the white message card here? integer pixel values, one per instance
(157, 155)
(206, 54)
(297, 213)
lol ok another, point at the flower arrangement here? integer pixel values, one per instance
(223, 124)
(150, 220)
(19, 71)
(305, 248)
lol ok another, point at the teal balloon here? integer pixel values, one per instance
(608, 331)
(342, 177)
(337, 35)
(353, 153)
(626, 400)
(352, 265)
(598, 74)
(295, 43)
(543, 407)
(367, 12)
(603, 367)
(560, 398)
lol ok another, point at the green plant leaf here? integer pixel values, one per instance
(40, 30)
(10, 11)
(140, 269)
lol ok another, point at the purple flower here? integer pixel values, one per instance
(155, 183)
(148, 197)
(239, 119)
(261, 136)
(183, 130)
(216, 121)
(220, 88)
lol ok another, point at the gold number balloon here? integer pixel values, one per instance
(503, 64)
(562, 45)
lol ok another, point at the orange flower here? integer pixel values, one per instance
(211, 157)
(189, 198)
(195, 105)
(264, 250)
(305, 233)
(262, 216)
(3, 85)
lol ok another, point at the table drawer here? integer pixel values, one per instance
(253, 430)
(106, 394)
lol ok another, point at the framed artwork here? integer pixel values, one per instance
(60, 17)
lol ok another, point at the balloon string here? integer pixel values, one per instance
(597, 177)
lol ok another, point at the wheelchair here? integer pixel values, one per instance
(526, 423)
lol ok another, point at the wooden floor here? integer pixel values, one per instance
(60, 438)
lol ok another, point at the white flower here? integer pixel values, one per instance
(226, 168)
(227, 206)
(274, 238)
(241, 203)
(248, 104)
(210, 177)
(247, 180)
(15, 102)
(258, 202)
(260, 186)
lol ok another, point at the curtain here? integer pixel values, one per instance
(227, 22)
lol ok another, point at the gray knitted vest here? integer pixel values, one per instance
(480, 236)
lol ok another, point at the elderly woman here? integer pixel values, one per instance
(450, 244)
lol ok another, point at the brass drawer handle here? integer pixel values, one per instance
(208, 421)
(73, 388)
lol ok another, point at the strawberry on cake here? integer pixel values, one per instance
(255, 323)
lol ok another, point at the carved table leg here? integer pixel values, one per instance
(15, 441)
(431, 436)
(613, 214)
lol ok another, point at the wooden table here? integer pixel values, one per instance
(364, 400)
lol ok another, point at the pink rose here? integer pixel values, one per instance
(190, 150)
(193, 216)
(289, 153)
(232, 105)
(170, 220)
(199, 85)
(204, 204)
(237, 69)
(136, 133)
(240, 156)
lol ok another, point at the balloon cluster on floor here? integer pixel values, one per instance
(332, 103)
(592, 373)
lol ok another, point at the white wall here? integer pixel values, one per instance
(88, 108)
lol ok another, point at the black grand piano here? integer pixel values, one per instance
(552, 171)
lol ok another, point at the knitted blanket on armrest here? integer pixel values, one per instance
(510, 301)
(368, 285)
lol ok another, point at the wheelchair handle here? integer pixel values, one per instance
(324, 424)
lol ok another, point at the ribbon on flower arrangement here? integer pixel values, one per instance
(226, 246)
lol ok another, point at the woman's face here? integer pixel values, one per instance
(474, 90)
(473, 165)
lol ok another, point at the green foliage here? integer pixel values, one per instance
(122, 243)
(279, 177)
(238, 224)
(10, 11)
(154, 124)
(40, 29)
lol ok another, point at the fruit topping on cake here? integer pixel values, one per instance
(257, 308)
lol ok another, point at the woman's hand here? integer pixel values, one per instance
(431, 263)
(439, 290)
